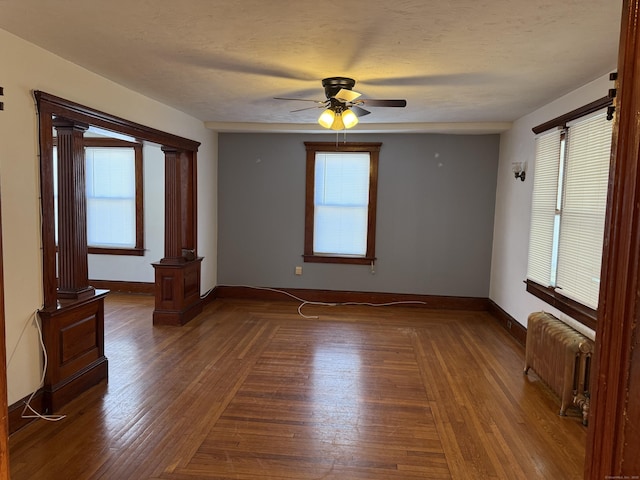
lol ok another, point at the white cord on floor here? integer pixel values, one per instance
(27, 405)
(304, 302)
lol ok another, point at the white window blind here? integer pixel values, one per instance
(111, 197)
(543, 208)
(583, 213)
(568, 208)
(341, 203)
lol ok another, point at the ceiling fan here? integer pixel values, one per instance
(343, 105)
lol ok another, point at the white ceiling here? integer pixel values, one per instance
(223, 61)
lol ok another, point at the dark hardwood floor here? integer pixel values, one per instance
(251, 390)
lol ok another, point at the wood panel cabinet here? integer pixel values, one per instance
(74, 335)
(177, 292)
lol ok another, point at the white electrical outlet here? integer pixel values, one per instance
(298, 270)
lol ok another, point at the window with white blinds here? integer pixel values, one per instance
(568, 208)
(341, 203)
(543, 208)
(111, 197)
(341, 184)
(113, 177)
(583, 211)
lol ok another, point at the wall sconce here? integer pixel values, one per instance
(519, 170)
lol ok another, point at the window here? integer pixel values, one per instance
(341, 197)
(568, 214)
(113, 177)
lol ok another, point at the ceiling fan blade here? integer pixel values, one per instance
(360, 112)
(369, 102)
(345, 95)
(307, 108)
(320, 102)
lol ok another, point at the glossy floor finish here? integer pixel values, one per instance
(252, 390)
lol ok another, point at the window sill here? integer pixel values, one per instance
(138, 252)
(583, 314)
(344, 259)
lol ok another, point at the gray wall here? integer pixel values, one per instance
(436, 199)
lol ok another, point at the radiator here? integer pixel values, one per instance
(561, 357)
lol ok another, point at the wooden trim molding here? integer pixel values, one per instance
(335, 296)
(373, 148)
(345, 259)
(68, 109)
(16, 422)
(134, 252)
(510, 324)
(142, 288)
(583, 314)
(562, 120)
(4, 414)
(613, 438)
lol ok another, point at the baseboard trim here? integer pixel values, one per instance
(56, 396)
(142, 288)
(177, 318)
(16, 422)
(336, 296)
(510, 324)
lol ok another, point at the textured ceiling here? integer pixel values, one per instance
(223, 61)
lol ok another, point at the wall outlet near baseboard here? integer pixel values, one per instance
(298, 270)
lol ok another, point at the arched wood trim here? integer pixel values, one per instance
(75, 111)
(70, 303)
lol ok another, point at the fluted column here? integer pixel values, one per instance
(172, 206)
(73, 275)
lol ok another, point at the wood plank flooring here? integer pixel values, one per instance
(252, 390)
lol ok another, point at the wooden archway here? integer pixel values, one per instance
(73, 313)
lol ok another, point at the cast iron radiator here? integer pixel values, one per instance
(561, 357)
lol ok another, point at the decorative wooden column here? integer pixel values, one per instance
(73, 270)
(73, 328)
(177, 275)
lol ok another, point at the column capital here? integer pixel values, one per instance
(65, 123)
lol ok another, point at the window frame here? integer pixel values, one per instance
(312, 148)
(138, 249)
(549, 294)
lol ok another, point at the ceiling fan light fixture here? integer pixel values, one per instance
(349, 119)
(327, 118)
(343, 106)
(338, 120)
(338, 124)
